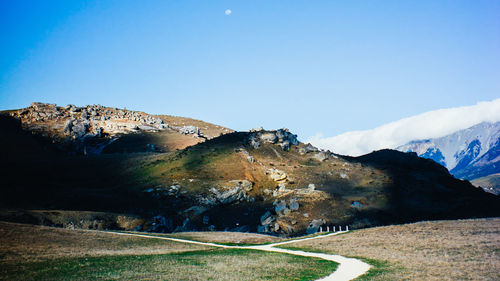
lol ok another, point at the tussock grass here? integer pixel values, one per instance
(21, 243)
(30, 252)
(213, 264)
(437, 250)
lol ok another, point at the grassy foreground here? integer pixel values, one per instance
(437, 250)
(216, 264)
(44, 253)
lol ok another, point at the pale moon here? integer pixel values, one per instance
(228, 12)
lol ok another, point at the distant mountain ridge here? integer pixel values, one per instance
(468, 154)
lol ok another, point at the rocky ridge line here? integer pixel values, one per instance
(92, 127)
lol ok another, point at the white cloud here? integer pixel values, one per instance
(228, 12)
(432, 124)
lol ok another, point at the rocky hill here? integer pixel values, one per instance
(94, 129)
(259, 181)
(468, 154)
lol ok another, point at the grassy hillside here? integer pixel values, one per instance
(489, 183)
(388, 186)
(434, 250)
(230, 182)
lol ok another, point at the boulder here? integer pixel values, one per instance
(307, 149)
(268, 137)
(68, 126)
(230, 195)
(85, 115)
(294, 204)
(267, 218)
(75, 109)
(188, 130)
(285, 145)
(314, 225)
(284, 135)
(259, 129)
(210, 200)
(37, 105)
(187, 225)
(79, 129)
(97, 131)
(281, 206)
(254, 142)
(281, 134)
(263, 228)
(277, 175)
(161, 224)
(276, 227)
(321, 156)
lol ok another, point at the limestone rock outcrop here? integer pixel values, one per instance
(101, 125)
(281, 137)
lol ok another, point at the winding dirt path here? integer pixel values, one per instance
(348, 269)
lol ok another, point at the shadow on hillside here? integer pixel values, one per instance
(38, 174)
(422, 189)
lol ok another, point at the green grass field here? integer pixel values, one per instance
(44, 253)
(216, 264)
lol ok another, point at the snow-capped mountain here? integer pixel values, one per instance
(468, 154)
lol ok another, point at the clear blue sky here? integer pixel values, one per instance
(311, 66)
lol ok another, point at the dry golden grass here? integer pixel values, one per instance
(207, 129)
(22, 242)
(439, 250)
(30, 252)
(228, 237)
